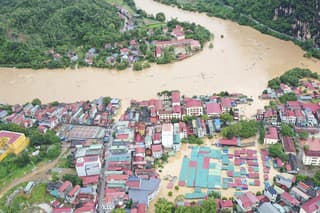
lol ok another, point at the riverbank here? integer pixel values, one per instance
(230, 65)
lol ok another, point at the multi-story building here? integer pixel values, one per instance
(311, 153)
(167, 135)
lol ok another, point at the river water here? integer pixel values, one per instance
(243, 61)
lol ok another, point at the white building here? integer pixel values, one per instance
(167, 135)
(311, 153)
(271, 136)
(194, 108)
(87, 166)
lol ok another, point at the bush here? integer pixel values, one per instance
(176, 188)
(170, 194)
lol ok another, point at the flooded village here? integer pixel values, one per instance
(168, 132)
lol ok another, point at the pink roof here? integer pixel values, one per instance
(226, 102)
(226, 204)
(167, 127)
(177, 109)
(272, 133)
(62, 210)
(293, 104)
(311, 205)
(229, 142)
(312, 106)
(133, 42)
(117, 177)
(269, 113)
(156, 148)
(175, 97)
(158, 50)
(248, 199)
(289, 198)
(193, 103)
(74, 190)
(213, 108)
(86, 180)
(313, 147)
(288, 144)
(64, 186)
(12, 136)
(133, 183)
(87, 207)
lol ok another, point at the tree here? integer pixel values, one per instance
(287, 130)
(288, 97)
(211, 46)
(226, 118)
(118, 210)
(74, 179)
(106, 100)
(23, 159)
(160, 17)
(54, 151)
(137, 66)
(303, 135)
(208, 205)
(163, 206)
(176, 188)
(276, 150)
(170, 194)
(36, 101)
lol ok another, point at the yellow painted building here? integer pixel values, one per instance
(12, 142)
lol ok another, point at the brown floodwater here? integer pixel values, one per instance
(243, 61)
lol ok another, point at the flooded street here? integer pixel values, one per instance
(243, 61)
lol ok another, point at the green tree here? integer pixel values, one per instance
(74, 179)
(36, 101)
(208, 205)
(163, 206)
(160, 17)
(276, 150)
(287, 130)
(226, 118)
(106, 100)
(288, 97)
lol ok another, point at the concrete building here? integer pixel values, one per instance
(311, 153)
(167, 135)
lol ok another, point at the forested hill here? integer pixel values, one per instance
(298, 19)
(27, 27)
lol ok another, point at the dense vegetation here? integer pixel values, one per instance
(30, 27)
(244, 129)
(297, 20)
(56, 34)
(276, 150)
(165, 206)
(292, 77)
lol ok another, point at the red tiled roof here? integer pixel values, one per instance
(226, 204)
(229, 142)
(272, 133)
(62, 210)
(213, 108)
(175, 97)
(193, 103)
(64, 186)
(293, 104)
(289, 198)
(288, 144)
(311, 205)
(86, 180)
(248, 199)
(12, 136)
(74, 190)
(156, 147)
(226, 102)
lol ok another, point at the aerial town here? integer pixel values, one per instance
(222, 113)
(182, 149)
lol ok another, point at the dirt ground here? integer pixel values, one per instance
(173, 168)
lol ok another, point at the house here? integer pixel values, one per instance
(194, 107)
(213, 109)
(167, 135)
(226, 104)
(288, 145)
(146, 192)
(247, 202)
(175, 98)
(270, 193)
(285, 180)
(311, 153)
(289, 199)
(71, 196)
(229, 142)
(311, 206)
(178, 33)
(87, 166)
(299, 195)
(267, 207)
(270, 117)
(62, 210)
(64, 189)
(226, 205)
(12, 142)
(158, 52)
(272, 136)
(157, 150)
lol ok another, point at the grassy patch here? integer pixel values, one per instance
(40, 195)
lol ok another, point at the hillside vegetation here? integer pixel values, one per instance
(297, 20)
(28, 27)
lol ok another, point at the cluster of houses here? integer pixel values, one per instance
(303, 115)
(308, 90)
(284, 196)
(50, 117)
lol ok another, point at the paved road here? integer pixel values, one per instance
(39, 174)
